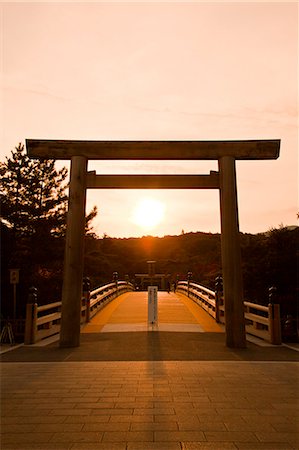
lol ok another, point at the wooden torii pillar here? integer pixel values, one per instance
(226, 152)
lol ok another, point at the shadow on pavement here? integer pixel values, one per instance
(150, 346)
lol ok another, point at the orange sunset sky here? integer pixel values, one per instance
(159, 71)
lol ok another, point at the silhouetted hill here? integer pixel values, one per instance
(268, 259)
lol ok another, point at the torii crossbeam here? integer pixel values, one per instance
(226, 152)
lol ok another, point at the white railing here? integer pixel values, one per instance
(201, 295)
(263, 321)
(101, 296)
(44, 321)
(260, 321)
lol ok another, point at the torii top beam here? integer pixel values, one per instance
(153, 150)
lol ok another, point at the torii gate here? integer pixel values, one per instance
(226, 152)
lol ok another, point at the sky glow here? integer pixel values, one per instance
(154, 70)
(148, 213)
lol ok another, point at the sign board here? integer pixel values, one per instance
(14, 276)
(152, 304)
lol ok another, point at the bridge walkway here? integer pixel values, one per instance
(176, 312)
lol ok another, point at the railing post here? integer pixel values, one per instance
(31, 324)
(218, 294)
(28, 324)
(274, 324)
(274, 318)
(31, 317)
(115, 278)
(189, 276)
(86, 295)
(34, 323)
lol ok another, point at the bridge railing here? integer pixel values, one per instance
(203, 296)
(260, 321)
(44, 321)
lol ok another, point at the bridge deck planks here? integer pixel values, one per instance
(129, 313)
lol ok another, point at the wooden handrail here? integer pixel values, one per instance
(256, 306)
(48, 306)
(39, 326)
(266, 326)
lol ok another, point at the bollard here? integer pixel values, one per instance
(86, 295)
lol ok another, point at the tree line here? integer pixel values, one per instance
(33, 220)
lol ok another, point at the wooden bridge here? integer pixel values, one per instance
(117, 307)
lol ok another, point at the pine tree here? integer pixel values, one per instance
(33, 195)
(33, 198)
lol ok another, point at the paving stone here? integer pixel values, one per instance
(154, 411)
(229, 412)
(132, 419)
(264, 446)
(292, 438)
(134, 404)
(154, 446)
(201, 426)
(100, 446)
(82, 436)
(70, 412)
(25, 437)
(19, 412)
(32, 420)
(230, 436)
(95, 405)
(104, 426)
(87, 419)
(36, 446)
(188, 423)
(208, 446)
(288, 427)
(257, 426)
(253, 419)
(165, 418)
(179, 436)
(42, 427)
(154, 426)
(113, 411)
(123, 436)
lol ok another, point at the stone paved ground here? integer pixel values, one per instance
(161, 390)
(149, 405)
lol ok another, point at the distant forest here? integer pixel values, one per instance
(268, 259)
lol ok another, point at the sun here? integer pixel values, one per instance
(148, 213)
